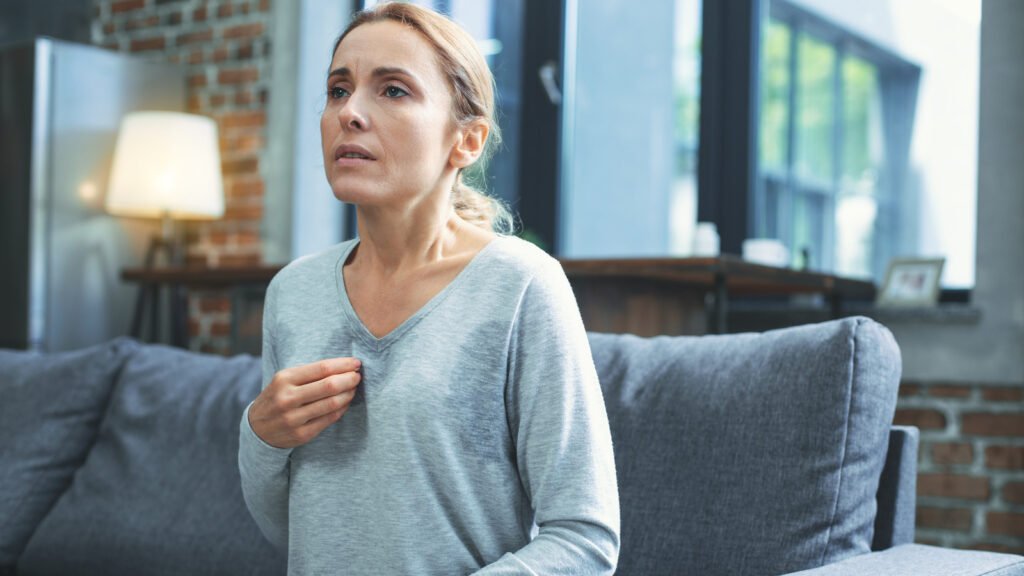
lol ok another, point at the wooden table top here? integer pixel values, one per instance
(740, 276)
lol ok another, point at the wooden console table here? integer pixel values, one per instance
(651, 296)
(177, 280)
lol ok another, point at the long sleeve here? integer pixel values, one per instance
(564, 454)
(264, 468)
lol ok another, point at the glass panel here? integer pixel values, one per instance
(816, 66)
(855, 223)
(629, 136)
(682, 211)
(773, 151)
(862, 127)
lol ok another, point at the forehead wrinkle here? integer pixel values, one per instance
(408, 40)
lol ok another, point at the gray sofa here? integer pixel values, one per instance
(741, 454)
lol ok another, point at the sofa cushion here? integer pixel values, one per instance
(50, 412)
(748, 453)
(160, 492)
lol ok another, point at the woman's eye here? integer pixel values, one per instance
(394, 92)
(336, 92)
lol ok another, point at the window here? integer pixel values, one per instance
(630, 128)
(848, 168)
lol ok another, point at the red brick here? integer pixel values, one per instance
(244, 143)
(949, 391)
(245, 51)
(945, 518)
(1004, 457)
(175, 18)
(154, 43)
(1003, 394)
(219, 238)
(923, 419)
(244, 31)
(953, 486)
(199, 14)
(264, 5)
(138, 23)
(195, 57)
(242, 119)
(224, 11)
(240, 166)
(193, 327)
(1013, 492)
(243, 98)
(946, 453)
(109, 28)
(126, 6)
(195, 103)
(909, 390)
(238, 75)
(197, 80)
(1009, 523)
(221, 54)
(246, 212)
(220, 329)
(1011, 424)
(217, 100)
(209, 304)
(247, 238)
(194, 37)
(246, 189)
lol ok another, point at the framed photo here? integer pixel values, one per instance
(911, 282)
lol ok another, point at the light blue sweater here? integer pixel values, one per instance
(477, 441)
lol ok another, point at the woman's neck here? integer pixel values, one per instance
(394, 243)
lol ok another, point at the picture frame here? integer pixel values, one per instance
(911, 282)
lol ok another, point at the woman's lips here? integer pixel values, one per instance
(347, 162)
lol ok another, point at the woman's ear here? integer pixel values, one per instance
(470, 144)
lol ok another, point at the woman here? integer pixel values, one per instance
(429, 402)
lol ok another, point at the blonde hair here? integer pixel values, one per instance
(472, 89)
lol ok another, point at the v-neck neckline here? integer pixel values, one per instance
(362, 332)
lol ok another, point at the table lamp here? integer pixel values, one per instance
(167, 166)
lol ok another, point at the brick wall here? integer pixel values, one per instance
(226, 47)
(970, 484)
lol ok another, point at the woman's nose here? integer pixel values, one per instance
(351, 115)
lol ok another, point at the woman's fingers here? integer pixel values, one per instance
(329, 386)
(323, 407)
(316, 371)
(314, 427)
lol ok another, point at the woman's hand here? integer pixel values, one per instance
(300, 402)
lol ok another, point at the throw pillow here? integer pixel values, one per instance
(748, 453)
(160, 492)
(51, 406)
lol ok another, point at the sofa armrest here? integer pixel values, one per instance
(918, 559)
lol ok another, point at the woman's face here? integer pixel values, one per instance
(387, 131)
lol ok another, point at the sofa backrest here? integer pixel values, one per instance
(748, 453)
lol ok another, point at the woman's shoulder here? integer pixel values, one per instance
(526, 258)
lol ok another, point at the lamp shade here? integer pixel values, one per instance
(166, 163)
